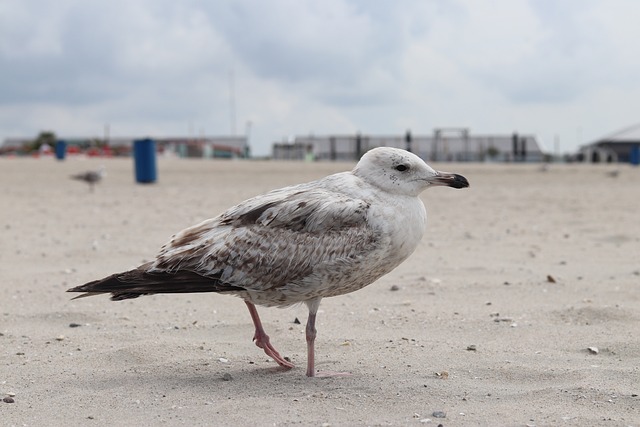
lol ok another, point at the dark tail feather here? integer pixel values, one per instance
(134, 283)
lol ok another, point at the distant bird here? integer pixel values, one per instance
(296, 244)
(91, 177)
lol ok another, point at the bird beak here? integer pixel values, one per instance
(450, 180)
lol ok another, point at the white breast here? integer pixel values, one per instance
(403, 220)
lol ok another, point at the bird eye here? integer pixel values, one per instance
(402, 168)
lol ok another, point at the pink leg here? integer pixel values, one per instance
(311, 338)
(262, 339)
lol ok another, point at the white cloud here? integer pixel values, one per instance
(161, 67)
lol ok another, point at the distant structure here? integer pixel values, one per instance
(446, 145)
(207, 147)
(616, 147)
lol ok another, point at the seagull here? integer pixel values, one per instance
(91, 177)
(298, 244)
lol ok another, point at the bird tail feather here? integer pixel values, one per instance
(137, 282)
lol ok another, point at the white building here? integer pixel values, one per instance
(616, 147)
(443, 145)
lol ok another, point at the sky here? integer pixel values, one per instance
(566, 71)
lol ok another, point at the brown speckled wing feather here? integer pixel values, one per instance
(272, 241)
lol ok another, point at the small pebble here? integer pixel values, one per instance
(471, 347)
(60, 338)
(74, 325)
(223, 360)
(8, 400)
(439, 414)
(227, 377)
(593, 350)
(11, 394)
(550, 279)
(395, 288)
(296, 321)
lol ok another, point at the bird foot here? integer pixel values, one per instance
(264, 344)
(262, 339)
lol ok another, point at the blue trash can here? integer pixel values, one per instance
(61, 149)
(144, 156)
(634, 158)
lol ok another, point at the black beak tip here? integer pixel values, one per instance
(459, 181)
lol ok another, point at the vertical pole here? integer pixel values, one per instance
(465, 138)
(332, 148)
(232, 102)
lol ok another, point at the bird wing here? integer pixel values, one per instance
(273, 240)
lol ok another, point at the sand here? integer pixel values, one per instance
(487, 324)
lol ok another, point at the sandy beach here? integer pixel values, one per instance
(489, 322)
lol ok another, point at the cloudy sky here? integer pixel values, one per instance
(565, 70)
